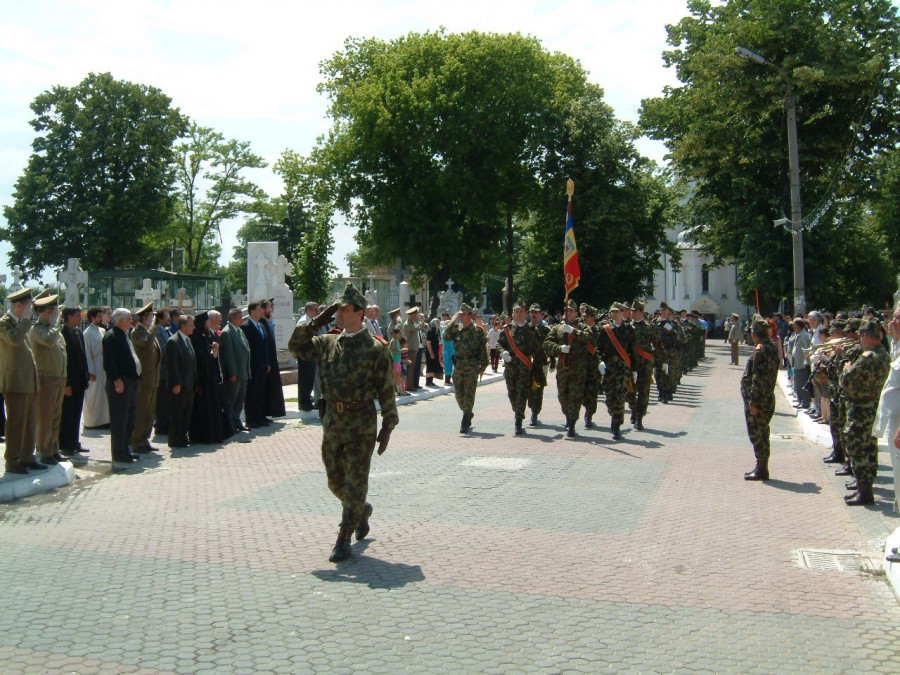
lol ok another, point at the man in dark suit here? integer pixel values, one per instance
(259, 367)
(274, 400)
(123, 373)
(161, 425)
(181, 363)
(76, 383)
(235, 360)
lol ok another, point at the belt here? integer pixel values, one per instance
(350, 406)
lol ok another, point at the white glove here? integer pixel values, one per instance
(567, 328)
(564, 349)
(602, 368)
(546, 370)
(506, 356)
(666, 368)
(634, 377)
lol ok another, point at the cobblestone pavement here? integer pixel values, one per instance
(488, 553)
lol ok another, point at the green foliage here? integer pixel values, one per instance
(725, 127)
(312, 269)
(210, 190)
(99, 178)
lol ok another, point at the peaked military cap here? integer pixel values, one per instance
(589, 310)
(735, 315)
(572, 305)
(20, 295)
(411, 310)
(465, 309)
(394, 311)
(535, 308)
(637, 305)
(352, 296)
(46, 302)
(853, 325)
(519, 305)
(146, 308)
(43, 294)
(872, 326)
(616, 307)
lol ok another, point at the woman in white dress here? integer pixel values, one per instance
(96, 406)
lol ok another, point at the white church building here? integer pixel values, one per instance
(697, 285)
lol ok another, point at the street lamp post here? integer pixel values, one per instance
(794, 165)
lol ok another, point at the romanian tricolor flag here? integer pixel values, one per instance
(571, 269)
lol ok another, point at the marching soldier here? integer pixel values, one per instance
(146, 346)
(592, 374)
(521, 347)
(648, 351)
(19, 384)
(758, 392)
(862, 382)
(670, 337)
(355, 369)
(541, 365)
(49, 348)
(568, 343)
(616, 346)
(471, 361)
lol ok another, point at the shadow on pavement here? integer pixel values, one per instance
(483, 434)
(801, 488)
(665, 434)
(373, 572)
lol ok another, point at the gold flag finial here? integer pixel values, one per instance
(570, 188)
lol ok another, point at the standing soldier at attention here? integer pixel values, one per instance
(616, 346)
(592, 374)
(471, 361)
(49, 348)
(355, 369)
(521, 347)
(648, 350)
(567, 342)
(670, 339)
(541, 365)
(758, 392)
(862, 382)
(146, 346)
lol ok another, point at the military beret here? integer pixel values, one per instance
(465, 309)
(146, 308)
(46, 302)
(535, 308)
(853, 325)
(352, 296)
(20, 296)
(872, 326)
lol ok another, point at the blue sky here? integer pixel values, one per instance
(250, 70)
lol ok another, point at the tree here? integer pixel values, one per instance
(725, 127)
(210, 190)
(99, 177)
(436, 140)
(312, 269)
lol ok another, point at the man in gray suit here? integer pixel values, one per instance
(235, 360)
(181, 364)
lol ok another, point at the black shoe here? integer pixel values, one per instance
(17, 468)
(639, 424)
(35, 466)
(852, 485)
(341, 550)
(49, 461)
(534, 420)
(519, 430)
(570, 429)
(362, 530)
(588, 422)
(616, 433)
(68, 452)
(834, 458)
(58, 457)
(844, 471)
(125, 459)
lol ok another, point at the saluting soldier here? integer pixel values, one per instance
(471, 361)
(862, 382)
(615, 346)
(49, 348)
(592, 374)
(758, 393)
(520, 347)
(146, 346)
(567, 342)
(19, 384)
(355, 369)
(541, 365)
(648, 351)
(833, 364)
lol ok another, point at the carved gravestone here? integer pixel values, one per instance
(73, 277)
(266, 272)
(146, 294)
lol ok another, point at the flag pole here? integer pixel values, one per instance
(570, 190)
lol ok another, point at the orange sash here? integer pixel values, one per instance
(518, 352)
(644, 355)
(592, 349)
(617, 344)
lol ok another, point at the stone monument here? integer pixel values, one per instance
(449, 300)
(73, 277)
(266, 271)
(183, 301)
(146, 294)
(239, 299)
(16, 284)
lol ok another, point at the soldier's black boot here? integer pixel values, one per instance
(836, 457)
(588, 422)
(341, 550)
(362, 530)
(570, 428)
(464, 425)
(862, 496)
(761, 472)
(519, 430)
(633, 417)
(639, 424)
(534, 420)
(429, 381)
(844, 470)
(852, 485)
(616, 430)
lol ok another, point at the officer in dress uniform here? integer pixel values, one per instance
(49, 348)
(143, 338)
(355, 369)
(520, 347)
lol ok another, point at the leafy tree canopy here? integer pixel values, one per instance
(99, 178)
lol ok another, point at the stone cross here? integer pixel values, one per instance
(73, 277)
(16, 278)
(146, 294)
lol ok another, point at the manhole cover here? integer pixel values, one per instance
(833, 561)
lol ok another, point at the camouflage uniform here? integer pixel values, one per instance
(758, 391)
(862, 382)
(647, 340)
(618, 370)
(592, 374)
(571, 368)
(670, 336)
(354, 370)
(536, 393)
(471, 361)
(519, 375)
(834, 365)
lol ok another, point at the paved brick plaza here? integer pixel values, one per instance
(489, 553)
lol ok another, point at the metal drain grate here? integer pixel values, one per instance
(831, 561)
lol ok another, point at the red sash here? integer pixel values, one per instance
(644, 355)
(616, 344)
(518, 352)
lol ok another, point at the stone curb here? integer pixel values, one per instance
(16, 486)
